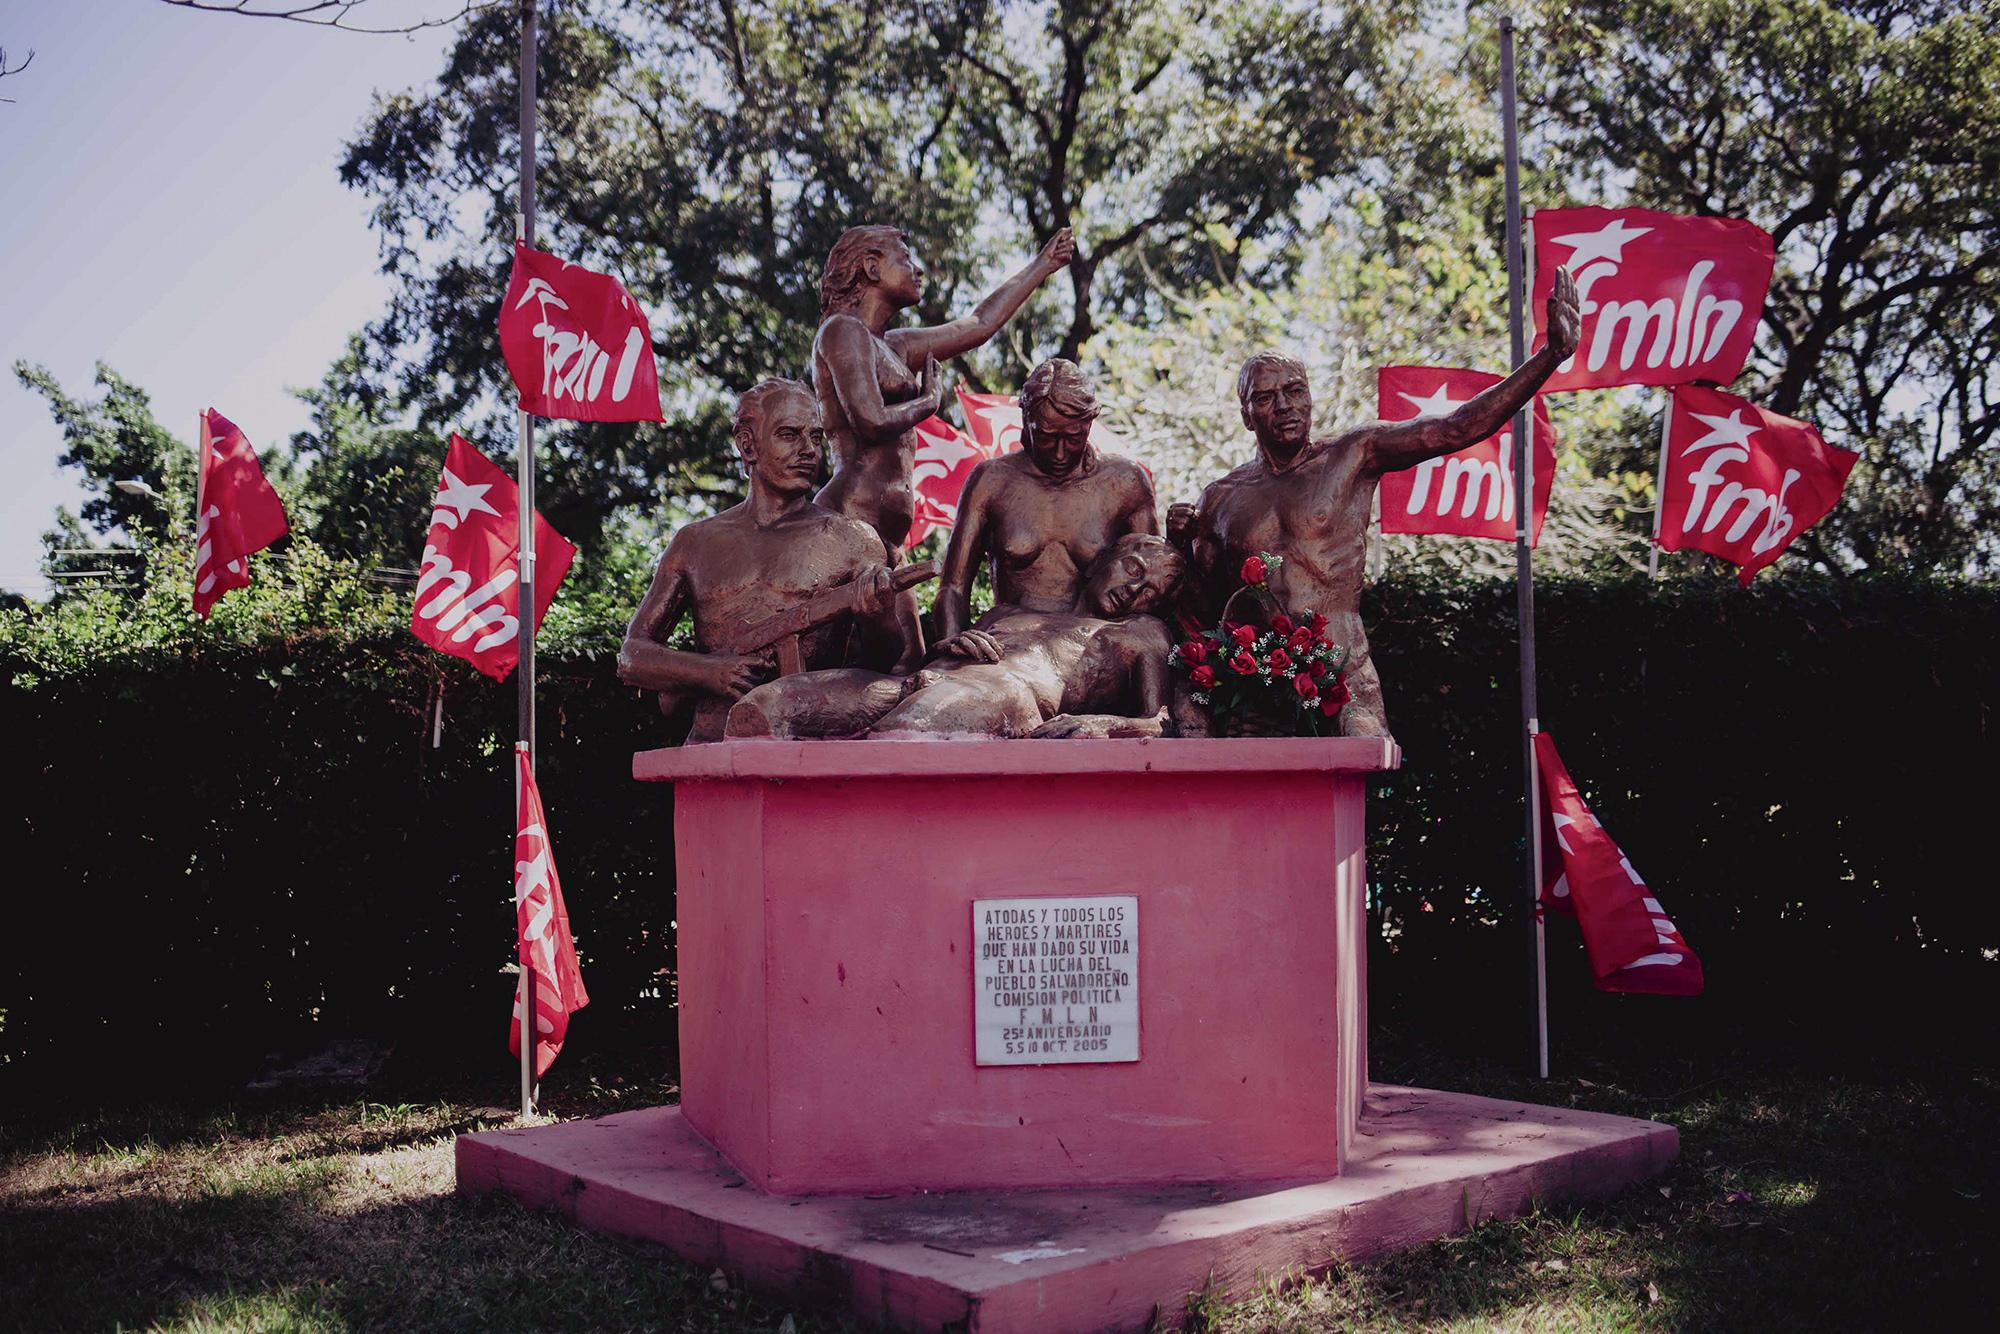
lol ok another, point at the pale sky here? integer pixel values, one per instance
(172, 206)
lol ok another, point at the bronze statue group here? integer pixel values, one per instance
(1084, 582)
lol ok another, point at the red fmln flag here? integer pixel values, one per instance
(1632, 944)
(236, 512)
(945, 457)
(1470, 493)
(542, 922)
(1665, 299)
(992, 420)
(576, 343)
(1740, 482)
(468, 600)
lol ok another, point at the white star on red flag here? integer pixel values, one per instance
(1607, 242)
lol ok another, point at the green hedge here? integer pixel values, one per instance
(229, 848)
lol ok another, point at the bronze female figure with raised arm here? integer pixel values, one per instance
(876, 383)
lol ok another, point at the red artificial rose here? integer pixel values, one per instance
(1243, 664)
(1323, 642)
(1283, 625)
(1244, 635)
(1194, 651)
(1254, 570)
(1300, 641)
(1305, 685)
(1318, 623)
(1203, 676)
(1319, 667)
(1281, 661)
(1333, 698)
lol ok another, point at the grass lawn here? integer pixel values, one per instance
(1801, 1200)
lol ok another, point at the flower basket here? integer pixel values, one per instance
(1263, 670)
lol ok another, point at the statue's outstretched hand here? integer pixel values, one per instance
(1180, 523)
(974, 644)
(1565, 323)
(1057, 254)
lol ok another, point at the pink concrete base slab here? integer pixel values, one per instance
(1425, 1163)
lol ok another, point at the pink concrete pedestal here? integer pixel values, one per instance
(837, 1142)
(826, 945)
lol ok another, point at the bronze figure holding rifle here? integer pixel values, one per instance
(776, 584)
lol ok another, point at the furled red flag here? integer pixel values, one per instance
(1632, 944)
(1665, 299)
(542, 924)
(236, 512)
(1740, 482)
(1470, 493)
(576, 343)
(468, 599)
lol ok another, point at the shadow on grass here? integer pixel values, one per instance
(277, 1253)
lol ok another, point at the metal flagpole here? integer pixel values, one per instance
(1660, 490)
(1524, 578)
(524, 671)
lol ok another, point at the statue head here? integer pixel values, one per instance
(779, 435)
(1135, 577)
(865, 257)
(1276, 401)
(1057, 409)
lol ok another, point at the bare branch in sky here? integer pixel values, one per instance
(341, 14)
(6, 69)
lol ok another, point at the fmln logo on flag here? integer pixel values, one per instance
(468, 601)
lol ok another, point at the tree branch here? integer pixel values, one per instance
(328, 13)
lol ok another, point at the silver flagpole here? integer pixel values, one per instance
(1660, 489)
(1524, 481)
(524, 671)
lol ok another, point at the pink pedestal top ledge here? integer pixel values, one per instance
(973, 757)
(832, 967)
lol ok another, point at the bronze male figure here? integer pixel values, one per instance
(1307, 499)
(757, 559)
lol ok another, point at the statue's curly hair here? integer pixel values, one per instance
(840, 285)
(1059, 383)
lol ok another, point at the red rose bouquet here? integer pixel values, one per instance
(1284, 668)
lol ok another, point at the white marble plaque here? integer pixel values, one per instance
(1055, 981)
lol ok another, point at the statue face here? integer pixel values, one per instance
(1137, 578)
(1278, 407)
(1056, 444)
(789, 443)
(898, 274)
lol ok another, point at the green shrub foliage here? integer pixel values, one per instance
(225, 844)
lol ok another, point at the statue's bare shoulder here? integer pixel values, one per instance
(1124, 473)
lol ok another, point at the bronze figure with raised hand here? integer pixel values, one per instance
(876, 383)
(748, 566)
(1043, 515)
(1097, 668)
(1307, 499)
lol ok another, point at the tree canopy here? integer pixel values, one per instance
(1865, 136)
(1320, 177)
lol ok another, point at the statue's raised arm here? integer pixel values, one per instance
(945, 341)
(1396, 445)
(875, 383)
